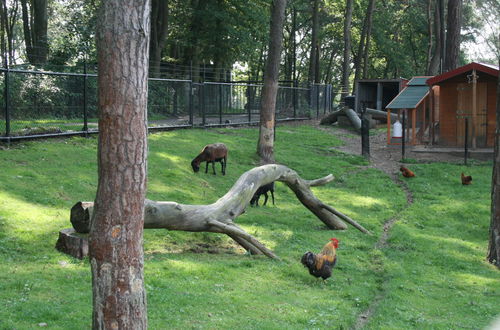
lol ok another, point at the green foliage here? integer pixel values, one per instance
(434, 261)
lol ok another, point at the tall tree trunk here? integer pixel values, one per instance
(430, 29)
(436, 29)
(453, 26)
(346, 64)
(193, 51)
(369, 23)
(317, 69)
(359, 55)
(265, 145)
(9, 19)
(159, 29)
(39, 30)
(494, 241)
(35, 22)
(116, 234)
(329, 67)
(314, 41)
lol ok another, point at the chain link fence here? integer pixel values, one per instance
(42, 104)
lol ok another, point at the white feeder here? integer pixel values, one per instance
(397, 130)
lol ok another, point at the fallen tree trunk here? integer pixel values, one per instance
(381, 115)
(353, 117)
(218, 217)
(331, 118)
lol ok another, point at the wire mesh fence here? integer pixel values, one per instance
(41, 104)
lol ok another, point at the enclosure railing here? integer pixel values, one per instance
(43, 104)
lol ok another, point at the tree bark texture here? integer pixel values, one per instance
(314, 42)
(453, 26)
(359, 55)
(35, 22)
(494, 240)
(346, 64)
(366, 49)
(116, 233)
(435, 60)
(265, 145)
(159, 29)
(219, 216)
(9, 19)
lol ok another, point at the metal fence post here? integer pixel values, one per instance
(325, 106)
(191, 101)
(220, 104)
(85, 110)
(202, 104)
(317, 101)
(7, 101)
(250, 102)
(294, 96)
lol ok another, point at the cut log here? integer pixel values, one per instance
(381, 115)
(330, 118)
(353, 117)
(218, 217)
(73, 243)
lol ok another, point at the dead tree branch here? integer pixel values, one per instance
(219, 216)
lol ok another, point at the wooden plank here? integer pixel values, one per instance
(388, 126)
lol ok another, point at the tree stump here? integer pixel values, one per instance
(73, 243)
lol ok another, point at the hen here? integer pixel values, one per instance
(321, 264)
(466, 179)
(407, 173)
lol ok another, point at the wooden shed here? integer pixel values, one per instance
(412, 108)
(376, 93)
(464, 97)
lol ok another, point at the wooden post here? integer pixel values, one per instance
(388, 126)
(431, 115)
(424, 112)
(474, 108)
(404, 136)
(413, 126)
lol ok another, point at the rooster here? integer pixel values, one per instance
(321, 264)
(466, 179)
(407, 173)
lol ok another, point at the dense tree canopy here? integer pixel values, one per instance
(228, 39)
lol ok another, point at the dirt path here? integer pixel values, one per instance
(387, 159)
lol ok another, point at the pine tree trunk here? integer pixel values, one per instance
(159, 29)
(265, 145)
(116, 234)
(435, 61)
(494, 240)
(35, 22)
(366, 49)
(358, 57)
(314, 42)
(453, 26)
(347, 49)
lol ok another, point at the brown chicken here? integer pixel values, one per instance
(466, 179)
(407, 173)
(321, 264)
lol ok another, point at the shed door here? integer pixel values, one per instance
(464, 110)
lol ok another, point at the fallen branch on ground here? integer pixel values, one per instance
(218, 217)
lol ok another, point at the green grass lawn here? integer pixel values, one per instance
(431, 275)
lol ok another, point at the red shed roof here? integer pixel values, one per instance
(486, 68)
